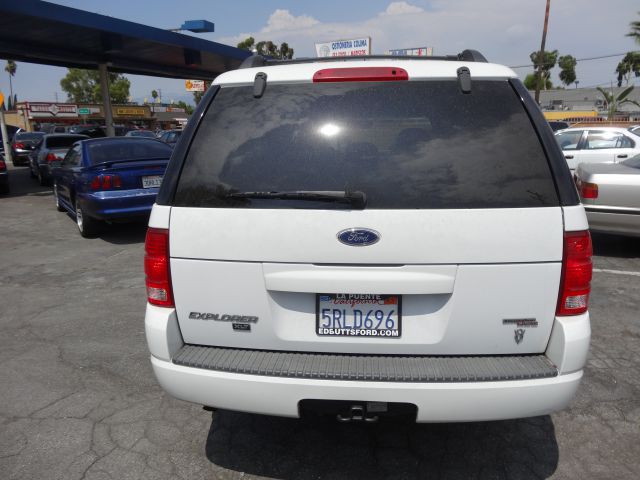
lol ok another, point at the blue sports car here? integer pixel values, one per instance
(109, 179)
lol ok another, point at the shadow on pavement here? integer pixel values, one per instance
(323, 448)
(21, 184)
(124, 233)
(609, 245)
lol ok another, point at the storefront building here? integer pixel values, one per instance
(34, 116)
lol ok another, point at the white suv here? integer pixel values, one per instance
(369, 235)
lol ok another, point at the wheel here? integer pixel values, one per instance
(87, 225)
(59, 206)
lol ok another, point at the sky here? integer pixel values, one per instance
(505, 31)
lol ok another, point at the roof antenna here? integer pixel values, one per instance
(464, 79)
(259, 84)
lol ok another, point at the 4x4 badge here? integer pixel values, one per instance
(519, 335)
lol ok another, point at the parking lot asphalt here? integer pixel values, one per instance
(78, 399)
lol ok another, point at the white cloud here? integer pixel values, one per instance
(284, 20)
(503, 35)
(401, 8)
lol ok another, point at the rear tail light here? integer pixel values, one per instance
(3, 166)
(360, 74)
(18, 145)
(588, 190)
(575, 281)
(52, 157)
(105, 182)
(156, 268)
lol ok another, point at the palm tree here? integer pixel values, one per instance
(10, 68)
(635, 30)
(613, 102)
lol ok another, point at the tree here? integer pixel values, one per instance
(567, 65)
(530, 82)
(549, 60)
(612, 102)
(635, 30)
(83, 86)
(10, 68)
(154, 94)
(187, 108)
(629, 64)
(267, 48)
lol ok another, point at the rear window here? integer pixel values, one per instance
(119, 150)
(406, 145)
(29, 136)
(63, 142)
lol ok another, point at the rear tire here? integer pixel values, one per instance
(88, 226)
(59, 206)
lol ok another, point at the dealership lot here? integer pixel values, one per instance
(78, 398)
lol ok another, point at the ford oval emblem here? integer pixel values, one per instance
(358, 237)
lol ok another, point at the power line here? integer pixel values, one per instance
(578, 59)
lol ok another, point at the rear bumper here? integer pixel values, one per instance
(117, 204)
(435, 401)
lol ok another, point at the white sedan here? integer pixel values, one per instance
(597, 145)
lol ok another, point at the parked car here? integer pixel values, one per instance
(611, 195)
(109, 179)
(369, 236)
(171, 137)
(597, 145)
(140, 133)
(51, 149)
(558, 125)
(4, 176)
(22, 145)
(92, 131)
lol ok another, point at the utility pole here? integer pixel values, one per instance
(541, 52)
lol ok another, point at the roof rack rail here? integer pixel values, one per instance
(257, 60)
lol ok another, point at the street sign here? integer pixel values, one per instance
(1, 97)
(344, 48)
(194, 85)
(412, 52)
(84, 111)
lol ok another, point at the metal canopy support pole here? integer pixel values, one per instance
(106, 100)
(6, 141)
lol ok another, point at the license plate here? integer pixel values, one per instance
(358, 315)
(151, 181)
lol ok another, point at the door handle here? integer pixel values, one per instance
(568, 157)
(623, 156)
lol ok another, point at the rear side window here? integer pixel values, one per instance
(63, 142)
(109, 151)
(406, 145)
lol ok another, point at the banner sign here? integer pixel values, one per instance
(412, 52)
(130, 111)
(344, 48)
(59, 110)
(194, 85)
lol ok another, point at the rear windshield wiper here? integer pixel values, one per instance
(357, 199)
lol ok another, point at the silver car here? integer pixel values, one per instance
(610, 193)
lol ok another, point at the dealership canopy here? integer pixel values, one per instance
(42, 32)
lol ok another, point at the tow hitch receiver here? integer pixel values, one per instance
(360, 413)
